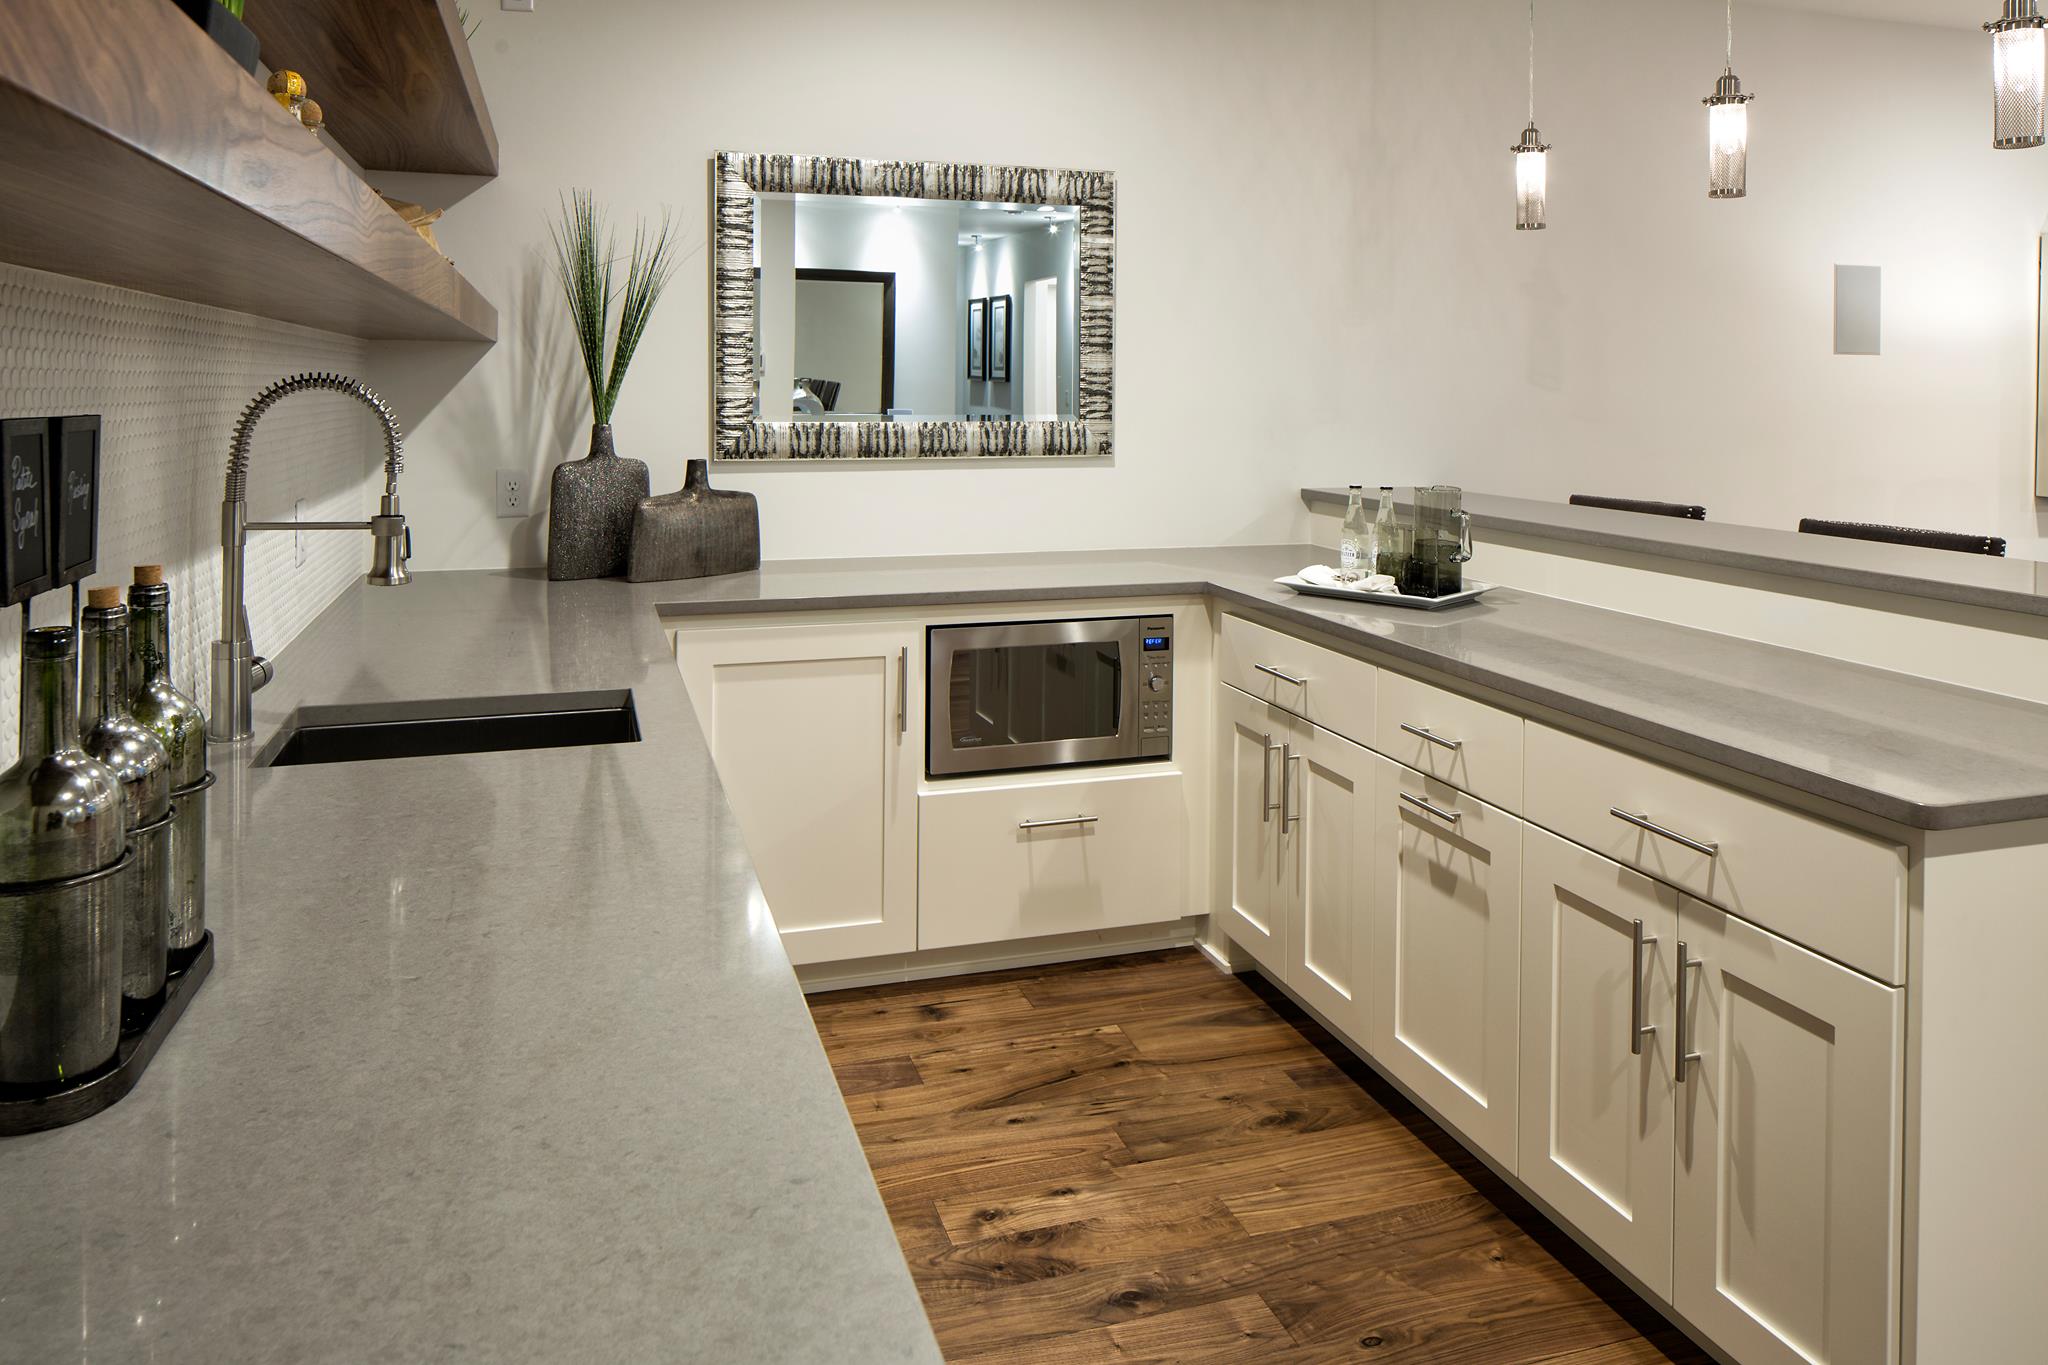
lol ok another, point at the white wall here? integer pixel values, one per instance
(168, 380)
(1199, 108)
(1653, 343)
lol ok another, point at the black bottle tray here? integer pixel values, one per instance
(31, 1109)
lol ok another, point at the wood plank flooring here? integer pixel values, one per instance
(1141, 1159)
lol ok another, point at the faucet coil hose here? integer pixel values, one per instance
(245, 426)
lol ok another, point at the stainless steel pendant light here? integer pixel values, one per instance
(1728, 129)
(1532, 154)
(2019, 69)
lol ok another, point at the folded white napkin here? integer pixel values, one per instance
(1323, 576)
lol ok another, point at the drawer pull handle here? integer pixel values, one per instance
(1283, 677)
(1644, 822)
(1433, 737)
(903, 691)
(1423, 803)
(1290, 814)
(1054, 824)
(1638, 1030)
(1267, 805)
(1685, 966)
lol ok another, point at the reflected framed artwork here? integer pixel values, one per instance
(998, 345)
(977, 339)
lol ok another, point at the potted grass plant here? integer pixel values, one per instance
(591, 500)
(222, 20)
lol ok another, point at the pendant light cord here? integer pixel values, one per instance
(1532, 60)
(1731, 34)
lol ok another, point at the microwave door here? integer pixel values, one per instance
(1031, 695)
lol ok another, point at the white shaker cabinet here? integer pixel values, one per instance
(1252, 735)
(817, 734)
(1598, 941)
(1787, 1234)
(1298, 814)
(1446, 952)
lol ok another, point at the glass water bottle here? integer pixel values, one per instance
(177, 720)
(63, 831)
(140, 763)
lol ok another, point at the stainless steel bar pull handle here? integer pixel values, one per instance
(1271, 671)
(1290, 815)
(1423, 803)
(1644, 822)
(1637, 1029)
(1055, 824)
(1267, 805)
(1685, 966)
(903, 691)
(1424, 732)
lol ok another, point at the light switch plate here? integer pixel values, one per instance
(522, 6)
(298, 537)
(1859, 310)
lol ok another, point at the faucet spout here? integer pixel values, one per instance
(237, 669)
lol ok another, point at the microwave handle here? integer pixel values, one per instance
(903, 691)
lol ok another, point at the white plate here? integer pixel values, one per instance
(1392, 599)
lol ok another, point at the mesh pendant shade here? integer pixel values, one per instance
(1727, 139)
(1532, 177)
(2019, 69)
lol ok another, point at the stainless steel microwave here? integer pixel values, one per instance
(1048, 694)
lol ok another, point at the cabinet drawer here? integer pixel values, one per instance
(990, 869)
(1838, 892)
(1473, 746)
(1334, 690)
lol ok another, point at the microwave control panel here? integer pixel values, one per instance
(1155, 688)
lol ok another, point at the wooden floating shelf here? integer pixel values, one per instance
(394, 80)
(134, 152)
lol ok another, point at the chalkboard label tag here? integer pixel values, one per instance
(75, 497)
(25, 544)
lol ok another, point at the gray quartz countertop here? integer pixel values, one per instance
(501, 1059)
(1912, 570)
(1921, 753)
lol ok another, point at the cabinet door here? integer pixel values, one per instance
(1252, 736)
(1326, 847)
(1596, 1103)
(815, 734)
(1787, 1229)
(1446, 950)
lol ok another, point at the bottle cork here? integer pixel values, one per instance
(103, 597)
(147, 575)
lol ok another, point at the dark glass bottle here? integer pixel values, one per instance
(139, 762)
(177, 721)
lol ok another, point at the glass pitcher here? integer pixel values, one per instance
(1443, 542)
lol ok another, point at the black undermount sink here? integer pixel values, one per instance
(460, 725)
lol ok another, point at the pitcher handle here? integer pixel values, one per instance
(1464, 535)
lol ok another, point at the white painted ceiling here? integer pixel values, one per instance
(1940, 13)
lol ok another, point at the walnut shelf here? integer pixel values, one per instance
(135, 153)
(394, 80)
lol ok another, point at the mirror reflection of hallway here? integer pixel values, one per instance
(1040, 351)
(846, 338)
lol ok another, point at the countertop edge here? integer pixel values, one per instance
(1784, 566)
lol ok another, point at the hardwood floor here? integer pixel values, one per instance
(1142, 1159)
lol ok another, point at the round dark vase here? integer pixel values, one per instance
(695, 532)
(590, 510)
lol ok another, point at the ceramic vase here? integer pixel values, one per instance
(695, 532)
(590, 510)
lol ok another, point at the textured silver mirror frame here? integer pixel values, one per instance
(736, 433)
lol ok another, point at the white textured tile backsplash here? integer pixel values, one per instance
(169, 379)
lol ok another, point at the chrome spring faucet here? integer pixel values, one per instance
(238, 671)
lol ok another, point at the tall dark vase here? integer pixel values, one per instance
(695, 532)
(590, 510)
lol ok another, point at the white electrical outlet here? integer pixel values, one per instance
(523, 6)
(298, 537)
(512, 493)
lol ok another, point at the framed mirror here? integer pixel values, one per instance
(911, 310)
